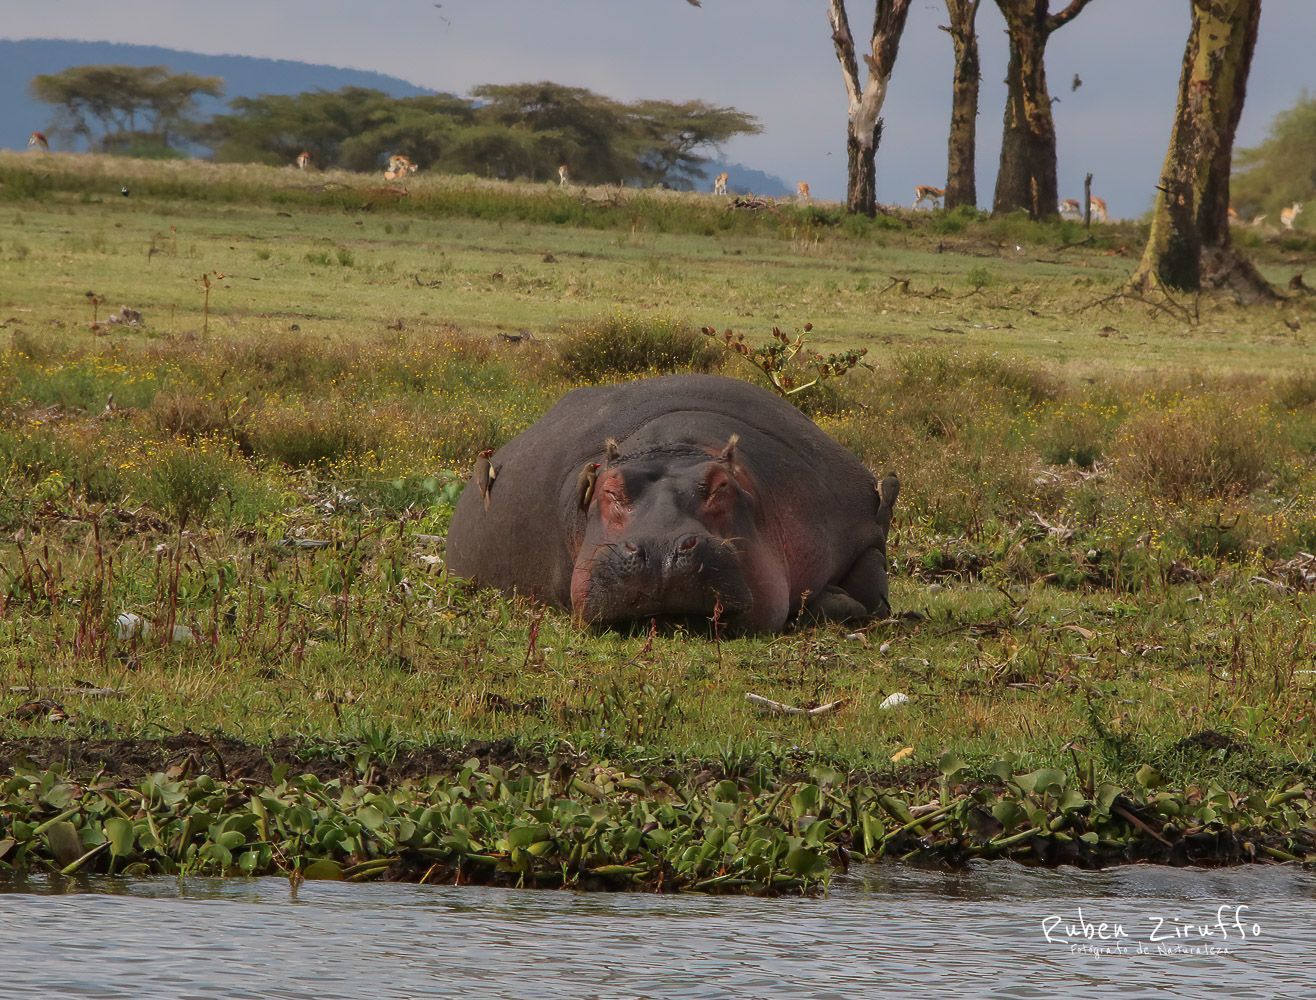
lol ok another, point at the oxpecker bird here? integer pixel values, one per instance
(485, 474)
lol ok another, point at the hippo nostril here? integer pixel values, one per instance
(630, 548)
(688, 543)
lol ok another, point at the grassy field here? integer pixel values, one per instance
(1102, 545)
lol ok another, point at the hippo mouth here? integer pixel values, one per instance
(690, 586)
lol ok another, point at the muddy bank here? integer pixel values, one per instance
(227, 759)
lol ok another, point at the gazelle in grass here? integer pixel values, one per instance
(1287, 216)
(802, 192)
(303, 160)
(1098, 207)
(720, 183)
(563, 176)
(398, 167)
(1070, 208)
(37, 140)
(925, 192)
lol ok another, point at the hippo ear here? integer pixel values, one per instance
(887, 490)
(728, 454)
(612, 451)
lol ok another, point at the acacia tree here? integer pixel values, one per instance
(961, 179)
(127, 104)
(1282, 169)
(1189, 245)
(668, 137)
(1027, 176)
(863, 126)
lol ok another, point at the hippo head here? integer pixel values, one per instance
(665, 532)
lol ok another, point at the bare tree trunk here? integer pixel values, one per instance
(961, 177)
(861, 172)
(1189, 245)
(863, 126)
(1027, 176)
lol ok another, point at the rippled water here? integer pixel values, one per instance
(881, 931)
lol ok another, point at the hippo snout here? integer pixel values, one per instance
(686, 554)
(689, 574)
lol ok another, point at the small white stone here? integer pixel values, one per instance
(884, 648)
(894, 701)
(128, 625)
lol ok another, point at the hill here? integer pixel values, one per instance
(244, 76)
(747, 180)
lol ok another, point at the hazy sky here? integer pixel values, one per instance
(771, 58)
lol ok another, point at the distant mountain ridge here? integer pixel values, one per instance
(746, 180)
(244, 76)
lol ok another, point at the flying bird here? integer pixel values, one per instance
(1078, 82)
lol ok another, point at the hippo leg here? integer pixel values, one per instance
(866, 583)
(833, 604)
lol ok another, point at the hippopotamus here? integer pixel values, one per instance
(681, 497)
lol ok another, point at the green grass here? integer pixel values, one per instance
(1102, 524)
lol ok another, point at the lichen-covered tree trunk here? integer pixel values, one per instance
(1189, 245)
(864, 103)
(1027, 176)
(961, 168)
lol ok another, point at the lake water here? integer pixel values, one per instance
(881, 931)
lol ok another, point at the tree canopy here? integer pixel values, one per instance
(516, 130)
(121, 107)
(1282, 169)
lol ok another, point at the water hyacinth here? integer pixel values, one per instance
(603, 828)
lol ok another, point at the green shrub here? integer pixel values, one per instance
(311, 432)
(623, 345)
(185, 482)
(1073, 434)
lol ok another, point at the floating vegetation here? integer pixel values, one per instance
(598, 827)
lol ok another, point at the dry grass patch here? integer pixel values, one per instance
(1206, 447)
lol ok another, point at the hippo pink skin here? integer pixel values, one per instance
(678, 525)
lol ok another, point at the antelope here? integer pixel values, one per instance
(1070, 206)
(37, 140)
(1287, 215)
(1098, 207)
(563, 176)
(924, 192)
(720, 183)
(802, 191)
(398, 167)
(303, 160)
(1234, 220)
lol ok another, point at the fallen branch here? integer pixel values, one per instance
(771, 707)
(85, 692)
(1077, 243)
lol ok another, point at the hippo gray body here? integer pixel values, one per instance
(718, 500)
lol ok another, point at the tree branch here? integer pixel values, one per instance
(844, 42)
(888, 25)
(1062, 17)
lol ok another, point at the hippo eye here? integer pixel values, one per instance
(710, 492)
